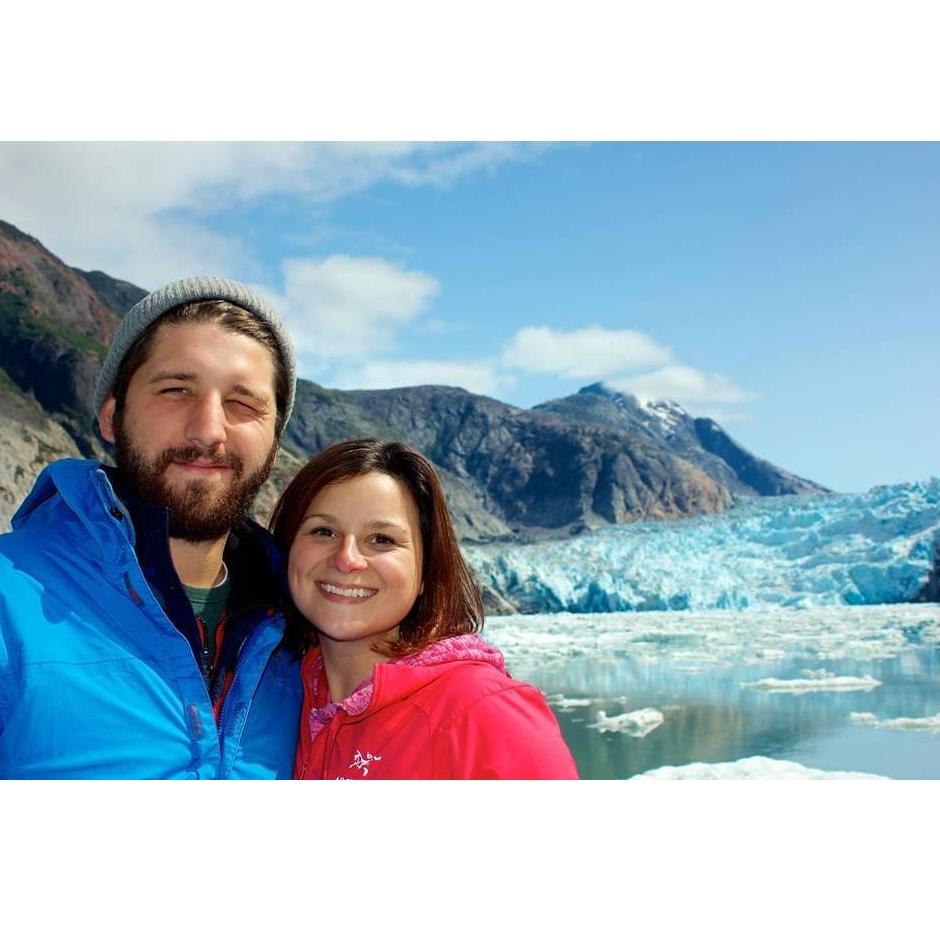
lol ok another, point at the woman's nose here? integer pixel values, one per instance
(348, 558)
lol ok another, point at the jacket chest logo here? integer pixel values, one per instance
(361, 763)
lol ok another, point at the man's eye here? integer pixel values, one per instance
(175, 389)
(244, 405)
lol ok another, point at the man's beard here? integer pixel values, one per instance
(195, 514)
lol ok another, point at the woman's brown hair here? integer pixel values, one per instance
(450, 603)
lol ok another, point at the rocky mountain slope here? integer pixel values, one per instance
(701, 441)
(512, 470)
(582, 462)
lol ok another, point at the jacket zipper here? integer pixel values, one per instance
(332, 732)
(244, 648)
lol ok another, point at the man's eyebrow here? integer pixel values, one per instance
(245, 390)
(166, 376)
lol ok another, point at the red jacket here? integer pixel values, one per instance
(450, 711)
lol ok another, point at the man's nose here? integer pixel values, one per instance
(206, 424)
(348, 558)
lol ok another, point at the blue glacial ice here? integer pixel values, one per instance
(876, 547)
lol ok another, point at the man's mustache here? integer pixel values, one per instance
(194, 454)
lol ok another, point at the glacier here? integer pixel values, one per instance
(876, 547)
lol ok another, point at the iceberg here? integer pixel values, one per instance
(828, 684)
(563, 704)
(858, 549)
(752, 768)
(637, 724)
(930, 723)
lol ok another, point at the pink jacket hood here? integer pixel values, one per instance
(401, 677)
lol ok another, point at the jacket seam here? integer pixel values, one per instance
(445, 725)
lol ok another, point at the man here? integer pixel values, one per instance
(140, 610)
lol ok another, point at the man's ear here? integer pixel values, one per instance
(106, 419)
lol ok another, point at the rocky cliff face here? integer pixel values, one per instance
(586, 461)
(54, 332)
(29, 439)
(115, 295)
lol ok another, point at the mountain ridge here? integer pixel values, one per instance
(508, 472)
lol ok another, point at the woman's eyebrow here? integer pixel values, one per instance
(326, 517)
(371, 524)
(385, 524)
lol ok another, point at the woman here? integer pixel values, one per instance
(397, 683)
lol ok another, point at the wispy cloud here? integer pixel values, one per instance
(141, 211)
(623, 360)
(481, 377)
(689, 387)
(590, 352)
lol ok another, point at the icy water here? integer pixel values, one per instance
(838, 689)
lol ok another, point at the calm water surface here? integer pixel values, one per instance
(694, 669)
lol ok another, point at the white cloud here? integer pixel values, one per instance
(590, 352)
(481, 377)
(344, 307)
(139, 210)
(689, 387)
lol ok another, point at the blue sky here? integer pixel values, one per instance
(788, 290)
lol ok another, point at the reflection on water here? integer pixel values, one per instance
(691, 667)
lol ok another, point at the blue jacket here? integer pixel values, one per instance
(95, 681)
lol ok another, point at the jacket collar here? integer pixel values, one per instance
(81, 488)
(410, 674)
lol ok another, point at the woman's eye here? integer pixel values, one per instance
(321, 532)
(383, 540)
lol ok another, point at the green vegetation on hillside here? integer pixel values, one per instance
(18, 322)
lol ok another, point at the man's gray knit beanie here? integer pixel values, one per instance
(189, 290)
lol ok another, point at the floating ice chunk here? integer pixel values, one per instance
(825, 683)
(817, 674)
(567, 704)
(637, 724)
(759, 656)
(931, 723)
(752, 768)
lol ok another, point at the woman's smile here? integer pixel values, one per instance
(345, 594)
